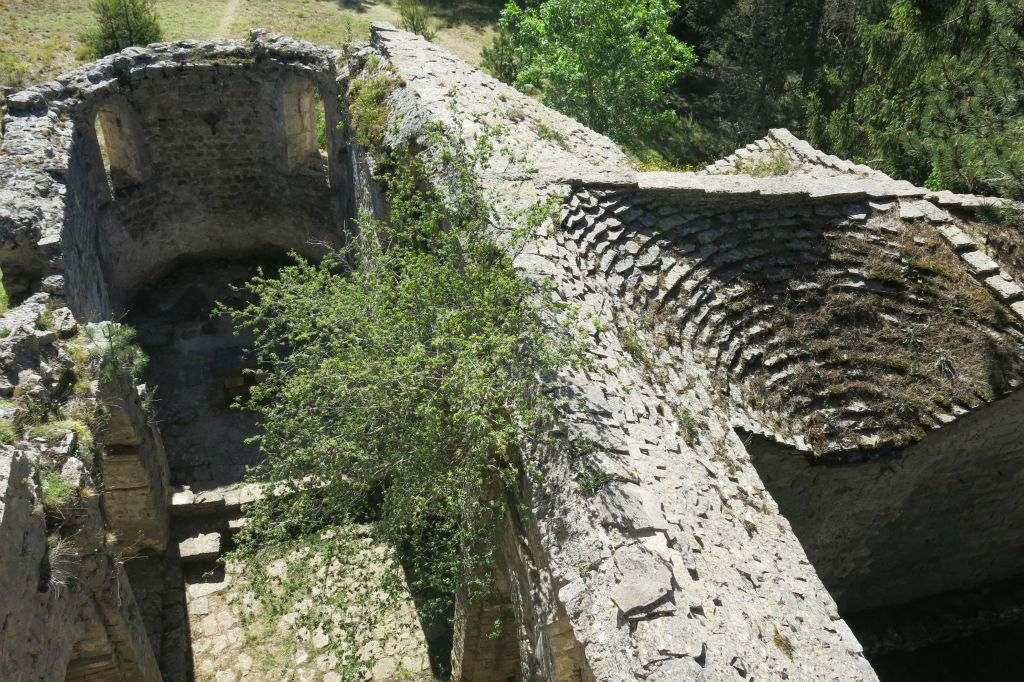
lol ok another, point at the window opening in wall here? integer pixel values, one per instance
(120, 146)
(104, 154)
(305, 124)
(321, 124)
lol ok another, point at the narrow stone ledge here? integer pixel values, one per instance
(980, 264)
(1004, 287)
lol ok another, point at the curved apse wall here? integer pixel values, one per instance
(195, 150)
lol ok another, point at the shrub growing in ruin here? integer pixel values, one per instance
(400, 384)
(416, 19)
(121, 24)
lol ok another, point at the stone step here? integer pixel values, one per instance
(200, 547)
(187, 503)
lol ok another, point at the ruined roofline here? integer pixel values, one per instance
(680, 565)
(816, 163)
(101, 78)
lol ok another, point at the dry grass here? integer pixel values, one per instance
(918, 337)
(42, 35)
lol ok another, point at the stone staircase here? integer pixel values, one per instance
(204, 521)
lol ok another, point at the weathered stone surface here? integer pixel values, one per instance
(645, 579)
(683, 484)
(631, 508)
(202, 547)
(980, 264)
(50, 630)
(680, 566)
(28, 101)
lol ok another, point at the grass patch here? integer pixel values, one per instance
(783, 643)
(369, 111)
(881, 361)
(591, 479)
(632, 344)
(56, 493)
(8, 432)
(42, 38)
(13, 72)
(764, 165)
(691, 426)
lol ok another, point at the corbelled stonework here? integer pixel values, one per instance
(751, 476)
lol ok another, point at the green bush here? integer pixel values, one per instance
(117, 354)
(404, 376)
(607, 63)
(56, 493)
(500, 59)
(8, 432)
(121, 24)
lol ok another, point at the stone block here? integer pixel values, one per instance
(631, 507)
(980, 264)
(1004, 287)
(201, 547)
(645, 579)
(27, 101)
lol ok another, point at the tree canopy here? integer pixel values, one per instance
(609, 64)
(121, 24)
(935, 95)
(931, 92)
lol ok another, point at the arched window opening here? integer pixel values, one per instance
(305, 126)
(121, 146)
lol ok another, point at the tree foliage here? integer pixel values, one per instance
(121, 24)
(416, 19)
(607, 63)
(401, 379)
(931, 92)
(936, 95)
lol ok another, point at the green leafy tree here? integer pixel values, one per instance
(121, 24)
(609, 64)
(400, 383)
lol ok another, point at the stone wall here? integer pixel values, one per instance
(678, 563)
(682, 565)
(64, 615)
(869, 526)
(110, 177)
(207, 151)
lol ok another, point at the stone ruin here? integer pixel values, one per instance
(805, 405)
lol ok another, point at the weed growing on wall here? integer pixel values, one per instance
(117, 354)
(401, 382)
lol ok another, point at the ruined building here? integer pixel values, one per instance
(805, 400)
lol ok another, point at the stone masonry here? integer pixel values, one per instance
(741, 507)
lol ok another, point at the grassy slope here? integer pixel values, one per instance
(43, 34)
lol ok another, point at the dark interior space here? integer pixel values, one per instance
(920, 548)
(990, 655)
(196, 364)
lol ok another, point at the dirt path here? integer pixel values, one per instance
(230, 10)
